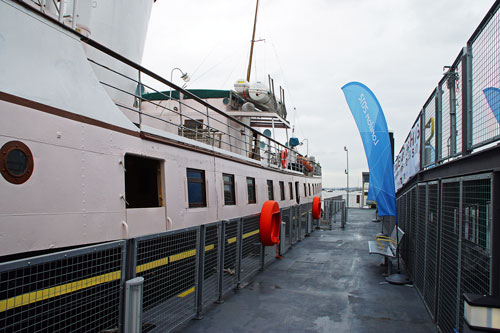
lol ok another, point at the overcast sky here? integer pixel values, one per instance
(312, 48)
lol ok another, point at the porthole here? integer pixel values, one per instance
(16, 162)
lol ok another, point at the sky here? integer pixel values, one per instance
(312, 48)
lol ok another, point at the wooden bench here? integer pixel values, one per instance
(387, 246)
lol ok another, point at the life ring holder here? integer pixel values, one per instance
(270, 223)
(316, 208)
(284, 156)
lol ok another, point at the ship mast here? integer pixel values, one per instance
(253, 42)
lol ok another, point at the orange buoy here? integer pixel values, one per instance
(270, 223)
(316, 209)
(284, 156)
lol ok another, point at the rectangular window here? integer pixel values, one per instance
(196, 188)
(142, 182)
(305, 190)
(290, 185)
(251, 190)
(297, 194)
(282, 190)
(229, 196)
(270, 190)
(309, 185)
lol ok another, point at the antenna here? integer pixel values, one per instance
(253, 42)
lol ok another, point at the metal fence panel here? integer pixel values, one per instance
(476, 234)
(445, 135)
(286, 219)
(168, 262)
(412, 231)
(75, 290)
(229, 277)
(429, 132)
(431, 255)
(211, 261)
(485, 74)
(421, 233)
(251, 247)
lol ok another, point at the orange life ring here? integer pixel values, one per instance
(316, 209)
(284, 156)
(270, 223)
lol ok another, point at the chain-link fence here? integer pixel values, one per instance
(449, 230)
(184, 272)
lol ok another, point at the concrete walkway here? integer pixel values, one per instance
(326, 283)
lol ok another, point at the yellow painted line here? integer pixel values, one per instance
(187, 292)
(63, 289)
(231, 240)
(209, 247)
(151, 265)
(250, 234)
(182, 255)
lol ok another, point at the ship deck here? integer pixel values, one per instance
(326, 283)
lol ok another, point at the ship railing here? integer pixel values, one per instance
(181, 273)
(178, 111)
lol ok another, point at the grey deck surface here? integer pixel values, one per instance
(326, 283)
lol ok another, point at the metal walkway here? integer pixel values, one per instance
(326, 283)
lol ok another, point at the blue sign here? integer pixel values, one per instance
(372, 127)
(492, 95)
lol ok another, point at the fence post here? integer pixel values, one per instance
(343, 209)
(467, 101)
(239, 239)
(200, 270)
(439, 124)
(133, 301)
(220, 263)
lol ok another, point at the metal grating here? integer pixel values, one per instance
(167, 262)
(459, 111)
(412, 231)
(210, 265)
(476, 234)
(420, 245)
(251, 247)
(485, 74)
(295, 223)
(76, 290)
(229, 277)
(431, 247)
(269, 255)
(285, 218)
(449, 254)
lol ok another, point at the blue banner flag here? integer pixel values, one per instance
(371, 194)
(372, 127)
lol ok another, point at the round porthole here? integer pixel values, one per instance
(16, 162)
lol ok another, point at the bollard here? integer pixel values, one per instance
(133, 303)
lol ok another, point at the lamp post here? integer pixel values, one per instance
(184, 76)
(347, 190)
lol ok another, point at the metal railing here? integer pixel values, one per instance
(447, 247)
(462, 114)
(183, 272)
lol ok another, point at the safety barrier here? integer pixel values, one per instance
(333, 209)
(448, 251)
(184, 272)
(462, 114)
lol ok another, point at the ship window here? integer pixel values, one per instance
(16, 162)
(290, 185)
(282, 190)
(309, 185)
(251, 190)
(305, 190)
(142, 182)
(196, 188)
(270, 190)
(229, 197)
(297, 194)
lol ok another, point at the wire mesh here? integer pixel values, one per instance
(445, 138)
(449, 256)
(295, 223)
(431, 247)
(269, 255)
(420, 246)
(486, 75)
(476, 250)
(251, 247)
(229, 277)
(167, 262)
(76, 290)
(429, 134)
(210, 265)
(459, 103)
(285, 217)
(412, 237)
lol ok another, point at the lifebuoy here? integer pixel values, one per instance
(270, 223)
(284, 156)
(316, 209)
